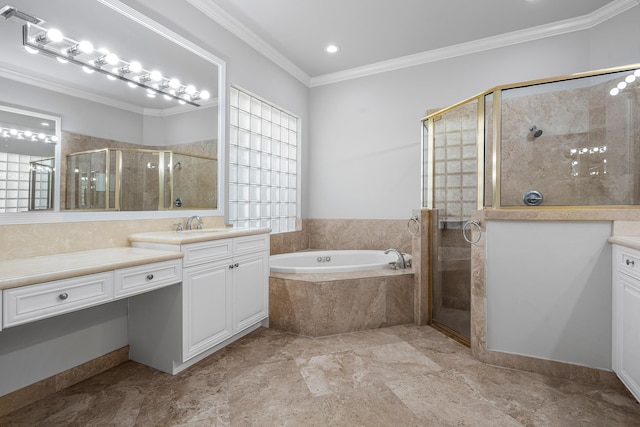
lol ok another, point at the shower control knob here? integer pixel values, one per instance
(63, 296)
(532, 198)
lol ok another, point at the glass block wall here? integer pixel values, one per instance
(263, 164)
(15, 175)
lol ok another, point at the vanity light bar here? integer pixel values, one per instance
(627, 81)
(27, 135)
(53, 43)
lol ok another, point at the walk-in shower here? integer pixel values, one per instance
(138, 179)
(481, 154)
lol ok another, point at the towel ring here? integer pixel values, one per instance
(413, 225)
(468, 227)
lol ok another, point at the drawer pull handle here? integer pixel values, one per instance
(63, 296)
(149, 276)
(231, 267)
(630, 262)
(236, 265)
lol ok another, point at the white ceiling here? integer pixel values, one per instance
(294, 33)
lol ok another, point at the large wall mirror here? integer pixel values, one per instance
(105, 114)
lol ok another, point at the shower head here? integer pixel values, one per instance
(535, 131)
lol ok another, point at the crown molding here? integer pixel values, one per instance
(536, 33)
(219, 15)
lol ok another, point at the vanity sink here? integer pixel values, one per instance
(192, 236)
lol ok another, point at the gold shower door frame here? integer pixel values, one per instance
(430, 198)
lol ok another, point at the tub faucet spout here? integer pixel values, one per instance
(190, 221)
(401, 262)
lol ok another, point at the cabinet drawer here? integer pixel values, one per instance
(628, 261)
(35, 302)
(143, 278)
(249, 244)
(199, 253)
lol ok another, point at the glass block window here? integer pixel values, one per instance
(263, 164)
(17, 171)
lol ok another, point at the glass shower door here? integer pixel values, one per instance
(453, 197)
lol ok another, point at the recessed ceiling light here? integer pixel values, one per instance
(332, 48)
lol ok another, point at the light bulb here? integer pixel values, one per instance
(85, 46)
(174, 83)
(190, 89)
(28, 133)
(205, 94)
(622, 85)
(54, 138)
(637, 72)
(111, 58)
(155, 75)
(13, 132)
(135, 67)
(55, 35)
(614, 91)
(41, 136)
(630, 78)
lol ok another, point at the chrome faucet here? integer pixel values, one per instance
(190, 220)
(401, 263)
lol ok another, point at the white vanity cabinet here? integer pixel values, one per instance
(250, 284)
(206, 296)
(626, 317)
(225, 294)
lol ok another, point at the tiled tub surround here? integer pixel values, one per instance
(333, 303)
(393, 297)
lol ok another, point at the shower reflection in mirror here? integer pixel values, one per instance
(28, 144)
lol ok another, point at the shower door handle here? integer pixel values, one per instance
(467, 228)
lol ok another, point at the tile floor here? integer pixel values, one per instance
(397, 376)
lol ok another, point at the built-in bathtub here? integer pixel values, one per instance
(352, 290)
(332, 261)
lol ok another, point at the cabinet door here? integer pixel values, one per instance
(628, 323)
(250, 289)
(206, 298)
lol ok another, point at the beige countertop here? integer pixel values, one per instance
(628, 241)
(28, 271)
(193, 236)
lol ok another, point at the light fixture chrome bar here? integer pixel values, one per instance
(97, 65)
(8, 12)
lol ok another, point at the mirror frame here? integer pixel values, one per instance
(58, 216)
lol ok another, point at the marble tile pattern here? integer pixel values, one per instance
(398, 376)
(358, 234)
(328, 304)
(29, 240)
(579, 119)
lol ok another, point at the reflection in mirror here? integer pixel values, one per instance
(140, 132)
(27, 160)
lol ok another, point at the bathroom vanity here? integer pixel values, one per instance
(224, 296)
(626, 312)
(173, 298)
(41, 287)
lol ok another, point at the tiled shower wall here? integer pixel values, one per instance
(588, 153)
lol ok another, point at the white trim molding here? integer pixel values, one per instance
(581, 23)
